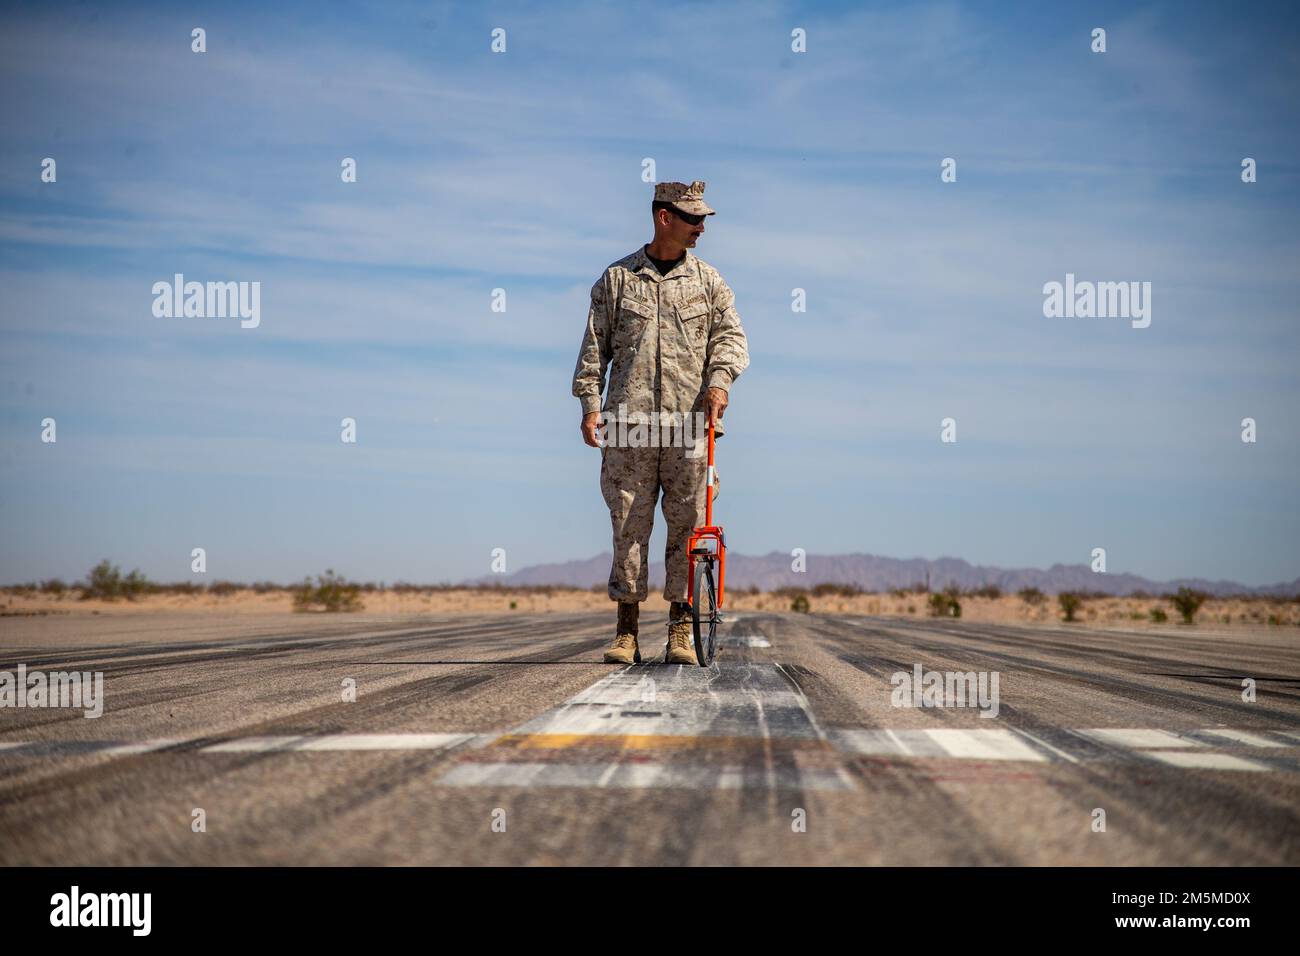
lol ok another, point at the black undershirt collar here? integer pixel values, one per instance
(664, 266)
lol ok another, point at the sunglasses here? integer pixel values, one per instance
(686, 217)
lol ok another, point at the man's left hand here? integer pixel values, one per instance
(715, 401)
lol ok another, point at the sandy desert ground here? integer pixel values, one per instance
(1125, 612)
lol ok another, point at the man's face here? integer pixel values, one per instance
(679, 230)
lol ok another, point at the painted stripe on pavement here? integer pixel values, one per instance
(1140, 738)
(1248, 737)
(743, 700)
(142, 747)
(775, 746)
(1206, 761)
(252, 745)
(985, 745)
(1040, 742)
(704, 719)
(981, 744)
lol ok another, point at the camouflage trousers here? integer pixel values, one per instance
(630, 480)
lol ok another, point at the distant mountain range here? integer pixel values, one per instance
(874, 573)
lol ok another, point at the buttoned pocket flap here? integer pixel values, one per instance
(644, 309)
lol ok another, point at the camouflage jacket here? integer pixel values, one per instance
(666, 339)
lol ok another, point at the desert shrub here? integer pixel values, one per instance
(1158, 615)
(223, 588)
(1187, 602)
(1031, 596)
(991, 591)
(53, 586)
(135, 585)
(105, 581)
(838, 590)
(799, 603)
(332, 592)
(1070, 602)
(945, 603)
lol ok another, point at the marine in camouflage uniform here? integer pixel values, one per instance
(673, 344)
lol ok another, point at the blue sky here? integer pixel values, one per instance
(522, 171)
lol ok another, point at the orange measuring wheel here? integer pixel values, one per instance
(707, 550)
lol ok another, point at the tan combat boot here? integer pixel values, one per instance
(681, 638)
(624, 649)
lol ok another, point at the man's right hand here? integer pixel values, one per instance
(590, 429)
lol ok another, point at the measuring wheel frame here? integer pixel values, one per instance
(706, 550)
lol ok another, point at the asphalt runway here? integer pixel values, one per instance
(504, 740)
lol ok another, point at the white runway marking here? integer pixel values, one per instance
(874, 742)
(1204, 761)
(143, 747)
(1170, 747)
(1140, 738)
(985, 745)
(683, 702)
(1055, 751)
(1250, 738)
(252, 745)
(706, 719)
(705, 730)
(963, 744)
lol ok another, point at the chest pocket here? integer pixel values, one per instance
(631, 320)
(695, 321)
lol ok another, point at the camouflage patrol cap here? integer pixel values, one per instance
(689, 199)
